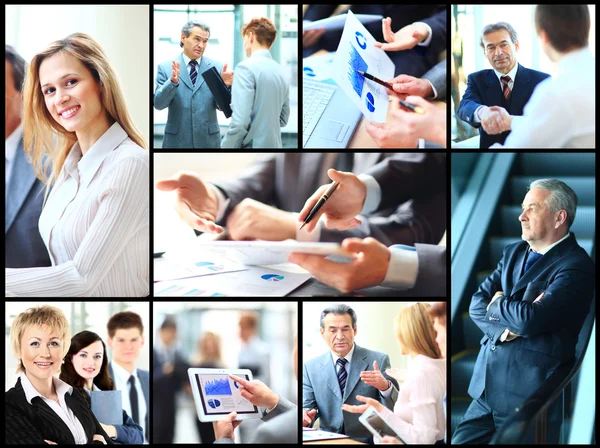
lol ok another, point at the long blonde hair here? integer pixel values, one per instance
(414, 330)
(39, 127)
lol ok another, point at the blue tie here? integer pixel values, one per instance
(342, 374)
(193, 72)
(531, 259)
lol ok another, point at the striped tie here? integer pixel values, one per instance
(342, 374)
(506, 89)
(193, 72)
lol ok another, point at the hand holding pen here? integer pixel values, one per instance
(409, 106)
(340, 208)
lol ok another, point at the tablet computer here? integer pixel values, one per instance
(375, 423)
(216, 395)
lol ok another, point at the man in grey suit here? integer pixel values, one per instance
(192, 120)
(420, 269)
(260, 96)
(24, 246)
(262, 203)
(340, 375)
(281, 418)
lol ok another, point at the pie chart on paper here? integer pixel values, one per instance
(272, 277)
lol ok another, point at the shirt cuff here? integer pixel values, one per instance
(403, 268)
(373, 197)
(388, 392)
(435, 94)
(427, 41)
(223, 203)
(421, 144)
(475, 116)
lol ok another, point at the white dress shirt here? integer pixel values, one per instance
(61, 409)
(95, 225)
(121, 379)
(561, 112)
(10, 151)
(418, 415)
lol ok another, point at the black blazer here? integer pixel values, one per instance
(33, 423)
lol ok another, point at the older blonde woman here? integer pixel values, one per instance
(42, 409)
(418, 415)
(95, 221)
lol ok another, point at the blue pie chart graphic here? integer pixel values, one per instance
(370, 102)
(237, 386)
(272, 277)
(360, 40)
(214, 403)
(309, 71)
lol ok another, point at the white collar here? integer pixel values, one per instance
(187, 60)
(11, 143)
(512, 73)
(261, 53)
(348, 357)
(547, 249)
(122, 374)
(31, 392)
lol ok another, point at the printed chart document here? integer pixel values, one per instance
(172, 266)
(313, 436)
(319, 67)
(357, 51)
(337, 22)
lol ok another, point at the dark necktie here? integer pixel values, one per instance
(342, 374)
(505, 89)
(193, 72)
(531, 259)
(133, 399)
(344, 161)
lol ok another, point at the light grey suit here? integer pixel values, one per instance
(24, 246)
(286, 180)
(281, 425)
(321, 390)
(437, 76)
(260, 99)
(192, 120)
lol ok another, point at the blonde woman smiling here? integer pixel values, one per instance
(95, 219)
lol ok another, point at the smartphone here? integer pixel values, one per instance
(374, 422)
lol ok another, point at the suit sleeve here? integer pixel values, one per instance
(129, 432)
(18, 430)
(391, 400)
(438, 24)
(437, 77)
(471, 100)
(165, 89)
(565, 300)
(480, 300)
(431, 276)
(242, 100)
(282, 406)
(308, 395)
(285, 111)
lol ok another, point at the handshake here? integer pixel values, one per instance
(495, 119)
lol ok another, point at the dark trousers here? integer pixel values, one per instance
(479, 423)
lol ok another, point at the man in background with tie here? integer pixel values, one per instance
(531, 310)
(192, 120)
(509, 84)
(343, 373)
(126, 339)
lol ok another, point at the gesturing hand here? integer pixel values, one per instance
(374, 378)
(227, 76)
(405, 39)
(308, 417)
(175, 72)
(359, 409)
(253, 220)
(256, 392)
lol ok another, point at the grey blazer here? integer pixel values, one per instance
(281, 425)
(24, 246)
(287, 180)
(321, 390)
(192, 120)
(431, 278)
(437, 76)
(260, 99)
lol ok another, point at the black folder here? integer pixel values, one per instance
(219, 90)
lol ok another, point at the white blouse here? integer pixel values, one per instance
(418, 415)
(95, 225)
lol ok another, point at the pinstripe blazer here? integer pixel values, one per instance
(27, 424)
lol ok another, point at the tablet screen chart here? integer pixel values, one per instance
(218, 387)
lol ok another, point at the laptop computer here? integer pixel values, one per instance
(329, 117)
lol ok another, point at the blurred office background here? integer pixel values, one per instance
(91, 316)
(486, 195)
(468, 56)
(226, 45)
(123, 32)
(277, 327)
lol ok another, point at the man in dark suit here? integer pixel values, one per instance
(24, 246)
(509, 84)
(531, 310)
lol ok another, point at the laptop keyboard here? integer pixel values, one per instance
(315, 98)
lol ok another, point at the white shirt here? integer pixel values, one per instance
(95, 225)
(61, 409)
(10, 151)
(561, 112)
(121, 379)
(418, 415)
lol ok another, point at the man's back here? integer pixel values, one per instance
(260, 103)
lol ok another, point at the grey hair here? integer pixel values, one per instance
(187, 29)
(339, 310)
(493, 27)
(18, 65)
(561, 197)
